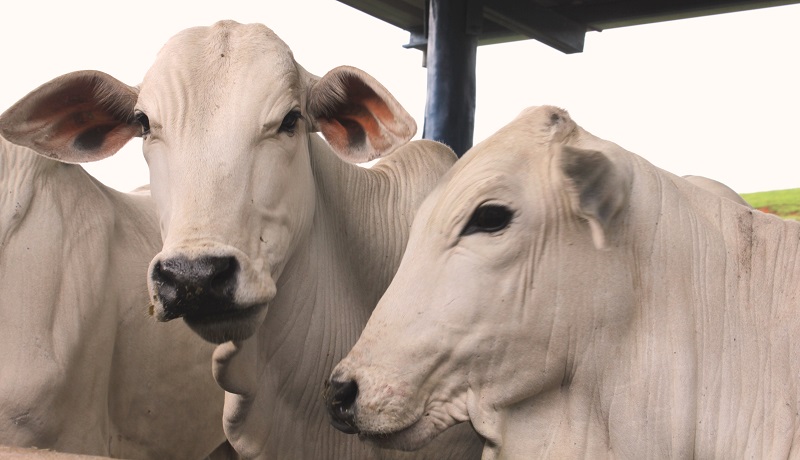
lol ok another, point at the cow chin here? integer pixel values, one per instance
(227, 324)
(410, 438)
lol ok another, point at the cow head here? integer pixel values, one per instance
(495, 291)
(225, 115)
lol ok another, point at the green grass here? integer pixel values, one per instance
(785, 203)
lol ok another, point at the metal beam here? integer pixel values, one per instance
(402, 14)
(537, 22)
(635, 12)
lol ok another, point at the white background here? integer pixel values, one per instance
(717, 96)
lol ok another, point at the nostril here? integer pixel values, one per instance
(171, 271)
(223, 272)
(160, 274)
(341, 399)
(346, 394)
(188, 286)
(209, 271)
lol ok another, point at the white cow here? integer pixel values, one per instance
(273, 247)
(574, 301)
(84, 368)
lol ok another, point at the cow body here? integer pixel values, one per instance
(574, 301)
(274, 247)
(84, 368)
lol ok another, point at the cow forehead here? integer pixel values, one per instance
(527, 139)
(240, 42)
(220, 65)
(508, 167)
(503, 161)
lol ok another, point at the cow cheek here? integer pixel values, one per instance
(160, 189)
(282, 212)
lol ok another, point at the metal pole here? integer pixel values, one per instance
(452, 49)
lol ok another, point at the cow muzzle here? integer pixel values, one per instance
(203, 291)
(388, 428)
(189, 287)
(381, 409)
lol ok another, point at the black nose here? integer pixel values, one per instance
(340, 397)
(188, 285)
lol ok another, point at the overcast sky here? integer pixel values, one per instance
(717, 96)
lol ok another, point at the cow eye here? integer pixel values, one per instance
(142, 119)
(488, 218)
(289, 122)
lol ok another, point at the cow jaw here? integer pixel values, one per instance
(432, 421)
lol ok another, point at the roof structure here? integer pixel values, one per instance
(449, 32)
(560, 24)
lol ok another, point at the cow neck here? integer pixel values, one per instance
(63, 203)
(50, 221)
(21, 172)
(332, 281)
(322, 303)
(745, 324)
(325, 295)
(715, 289)
(354, 219)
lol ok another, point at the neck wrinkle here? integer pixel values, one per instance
(326, 293)
(21, 173)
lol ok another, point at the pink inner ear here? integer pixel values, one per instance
(337, 134)
(358, 117)
(79, 117)
(378, 113)
(85, 129)
(374, 107)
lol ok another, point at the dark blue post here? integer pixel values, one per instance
(452, 48)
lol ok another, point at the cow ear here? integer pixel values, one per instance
(359, 118)
(78, 117)
(597, 188)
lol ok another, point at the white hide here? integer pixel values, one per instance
(22, 453)
(717, 188)
(273, 246)
(84, 369)
(621, 312)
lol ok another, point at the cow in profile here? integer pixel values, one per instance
(571, 300)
